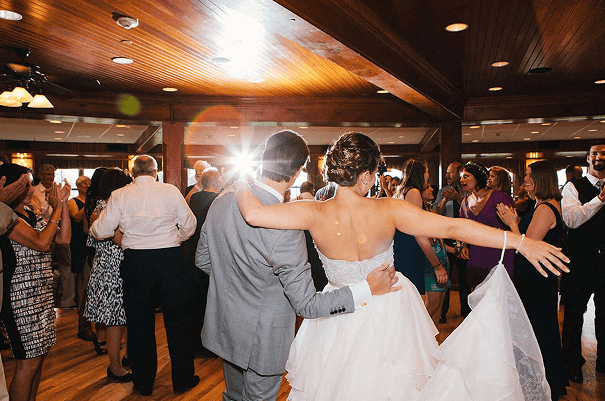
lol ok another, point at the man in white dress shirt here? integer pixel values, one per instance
(583, 213)
(154, 219)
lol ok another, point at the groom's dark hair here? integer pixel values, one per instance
(285, 153)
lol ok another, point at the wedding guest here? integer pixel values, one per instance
(539, 294)
(61, 252)
(104, 303)
(27, 307)
(434, 287)
(199, 167)
(480, 205)
(77, 247)
(499, 179)
(307, 191)
(412, 252)
(154, 219)
(583, 213)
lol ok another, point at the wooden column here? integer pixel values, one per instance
(173, 136)
(450, 145)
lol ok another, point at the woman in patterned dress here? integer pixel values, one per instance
(27, 308)
(104, 305)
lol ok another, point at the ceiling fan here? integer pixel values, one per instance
(19, 76)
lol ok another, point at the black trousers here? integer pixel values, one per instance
(587, 276)
(152, 278)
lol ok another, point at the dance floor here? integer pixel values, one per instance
(74, 372)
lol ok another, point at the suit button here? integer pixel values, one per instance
(340, 310)
(331, 312)
(344, 309)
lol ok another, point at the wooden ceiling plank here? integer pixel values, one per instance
(500, 32)
(593, 33)
(366, 34)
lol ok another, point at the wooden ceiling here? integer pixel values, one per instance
(318, 62)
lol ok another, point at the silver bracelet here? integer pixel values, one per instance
(520, 242)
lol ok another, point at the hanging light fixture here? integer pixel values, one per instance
(22, 95)
(7, 99)
(40, 102)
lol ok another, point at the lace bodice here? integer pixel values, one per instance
(341, 273)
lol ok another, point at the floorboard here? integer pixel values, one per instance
(74, 372)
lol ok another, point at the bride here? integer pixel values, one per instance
(388, 350)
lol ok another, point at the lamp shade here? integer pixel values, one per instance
(22, 95)
(40, 102)
(8, 100)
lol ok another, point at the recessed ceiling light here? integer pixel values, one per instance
(169, 89)
(220, 60)
(59, 132)
(603, 121)
(391, 142)
(255, 80)
(192, 142)
(303, 127)
(475, 140)
(457, 27)
(126, 41)
(382, 91)
(234, 127)
(500, 64)
(231, 135)
(55, 122)
(599, 82)
(535, 132)
(509, 157)
(540, 70)
(122, 60)
(83, 136)
(577, 137)
(10, 15)
(527, 139)
(465, 134)
(545, 123)
(495, 88)
(475, 127)
(120, 126)
(592, 130)
(58, 138)
(401, 136)
(119, 141)
(120, 134)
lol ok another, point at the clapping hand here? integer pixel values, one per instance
(12, 191)
(65, 191)
(452, 194)
(54, 199)
(507, 214)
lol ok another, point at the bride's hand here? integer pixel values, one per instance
(540, 254)
(234, 187)
(382, 279)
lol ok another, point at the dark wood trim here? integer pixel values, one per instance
(388, 61)
(521, 108)
(148, 139)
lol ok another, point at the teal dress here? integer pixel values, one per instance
(430, 278)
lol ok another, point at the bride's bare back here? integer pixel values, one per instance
(351, 227)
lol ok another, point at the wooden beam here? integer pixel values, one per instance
(148, 139)
(352, 35)
(522, 108)
(430, 140)
(152, 109)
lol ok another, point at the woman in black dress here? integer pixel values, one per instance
(27, 307)
(540, 294)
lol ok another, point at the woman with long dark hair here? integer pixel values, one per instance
(540, 294)
(27, 307)
(411, 253)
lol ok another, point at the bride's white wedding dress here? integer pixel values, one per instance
(388, 351)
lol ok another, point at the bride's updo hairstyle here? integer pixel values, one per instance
(352, 154)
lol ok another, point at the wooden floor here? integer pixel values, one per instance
(74, 372)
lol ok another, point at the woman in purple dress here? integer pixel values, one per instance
(480, 205)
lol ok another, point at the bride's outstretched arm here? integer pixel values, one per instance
(283, 216)
(414, 221)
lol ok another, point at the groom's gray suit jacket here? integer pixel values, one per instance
(258, 278)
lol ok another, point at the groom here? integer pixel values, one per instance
(260, 279)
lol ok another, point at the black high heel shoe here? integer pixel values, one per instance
(126, 378)
(98, 345)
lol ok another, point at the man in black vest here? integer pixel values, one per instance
(584, 215)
